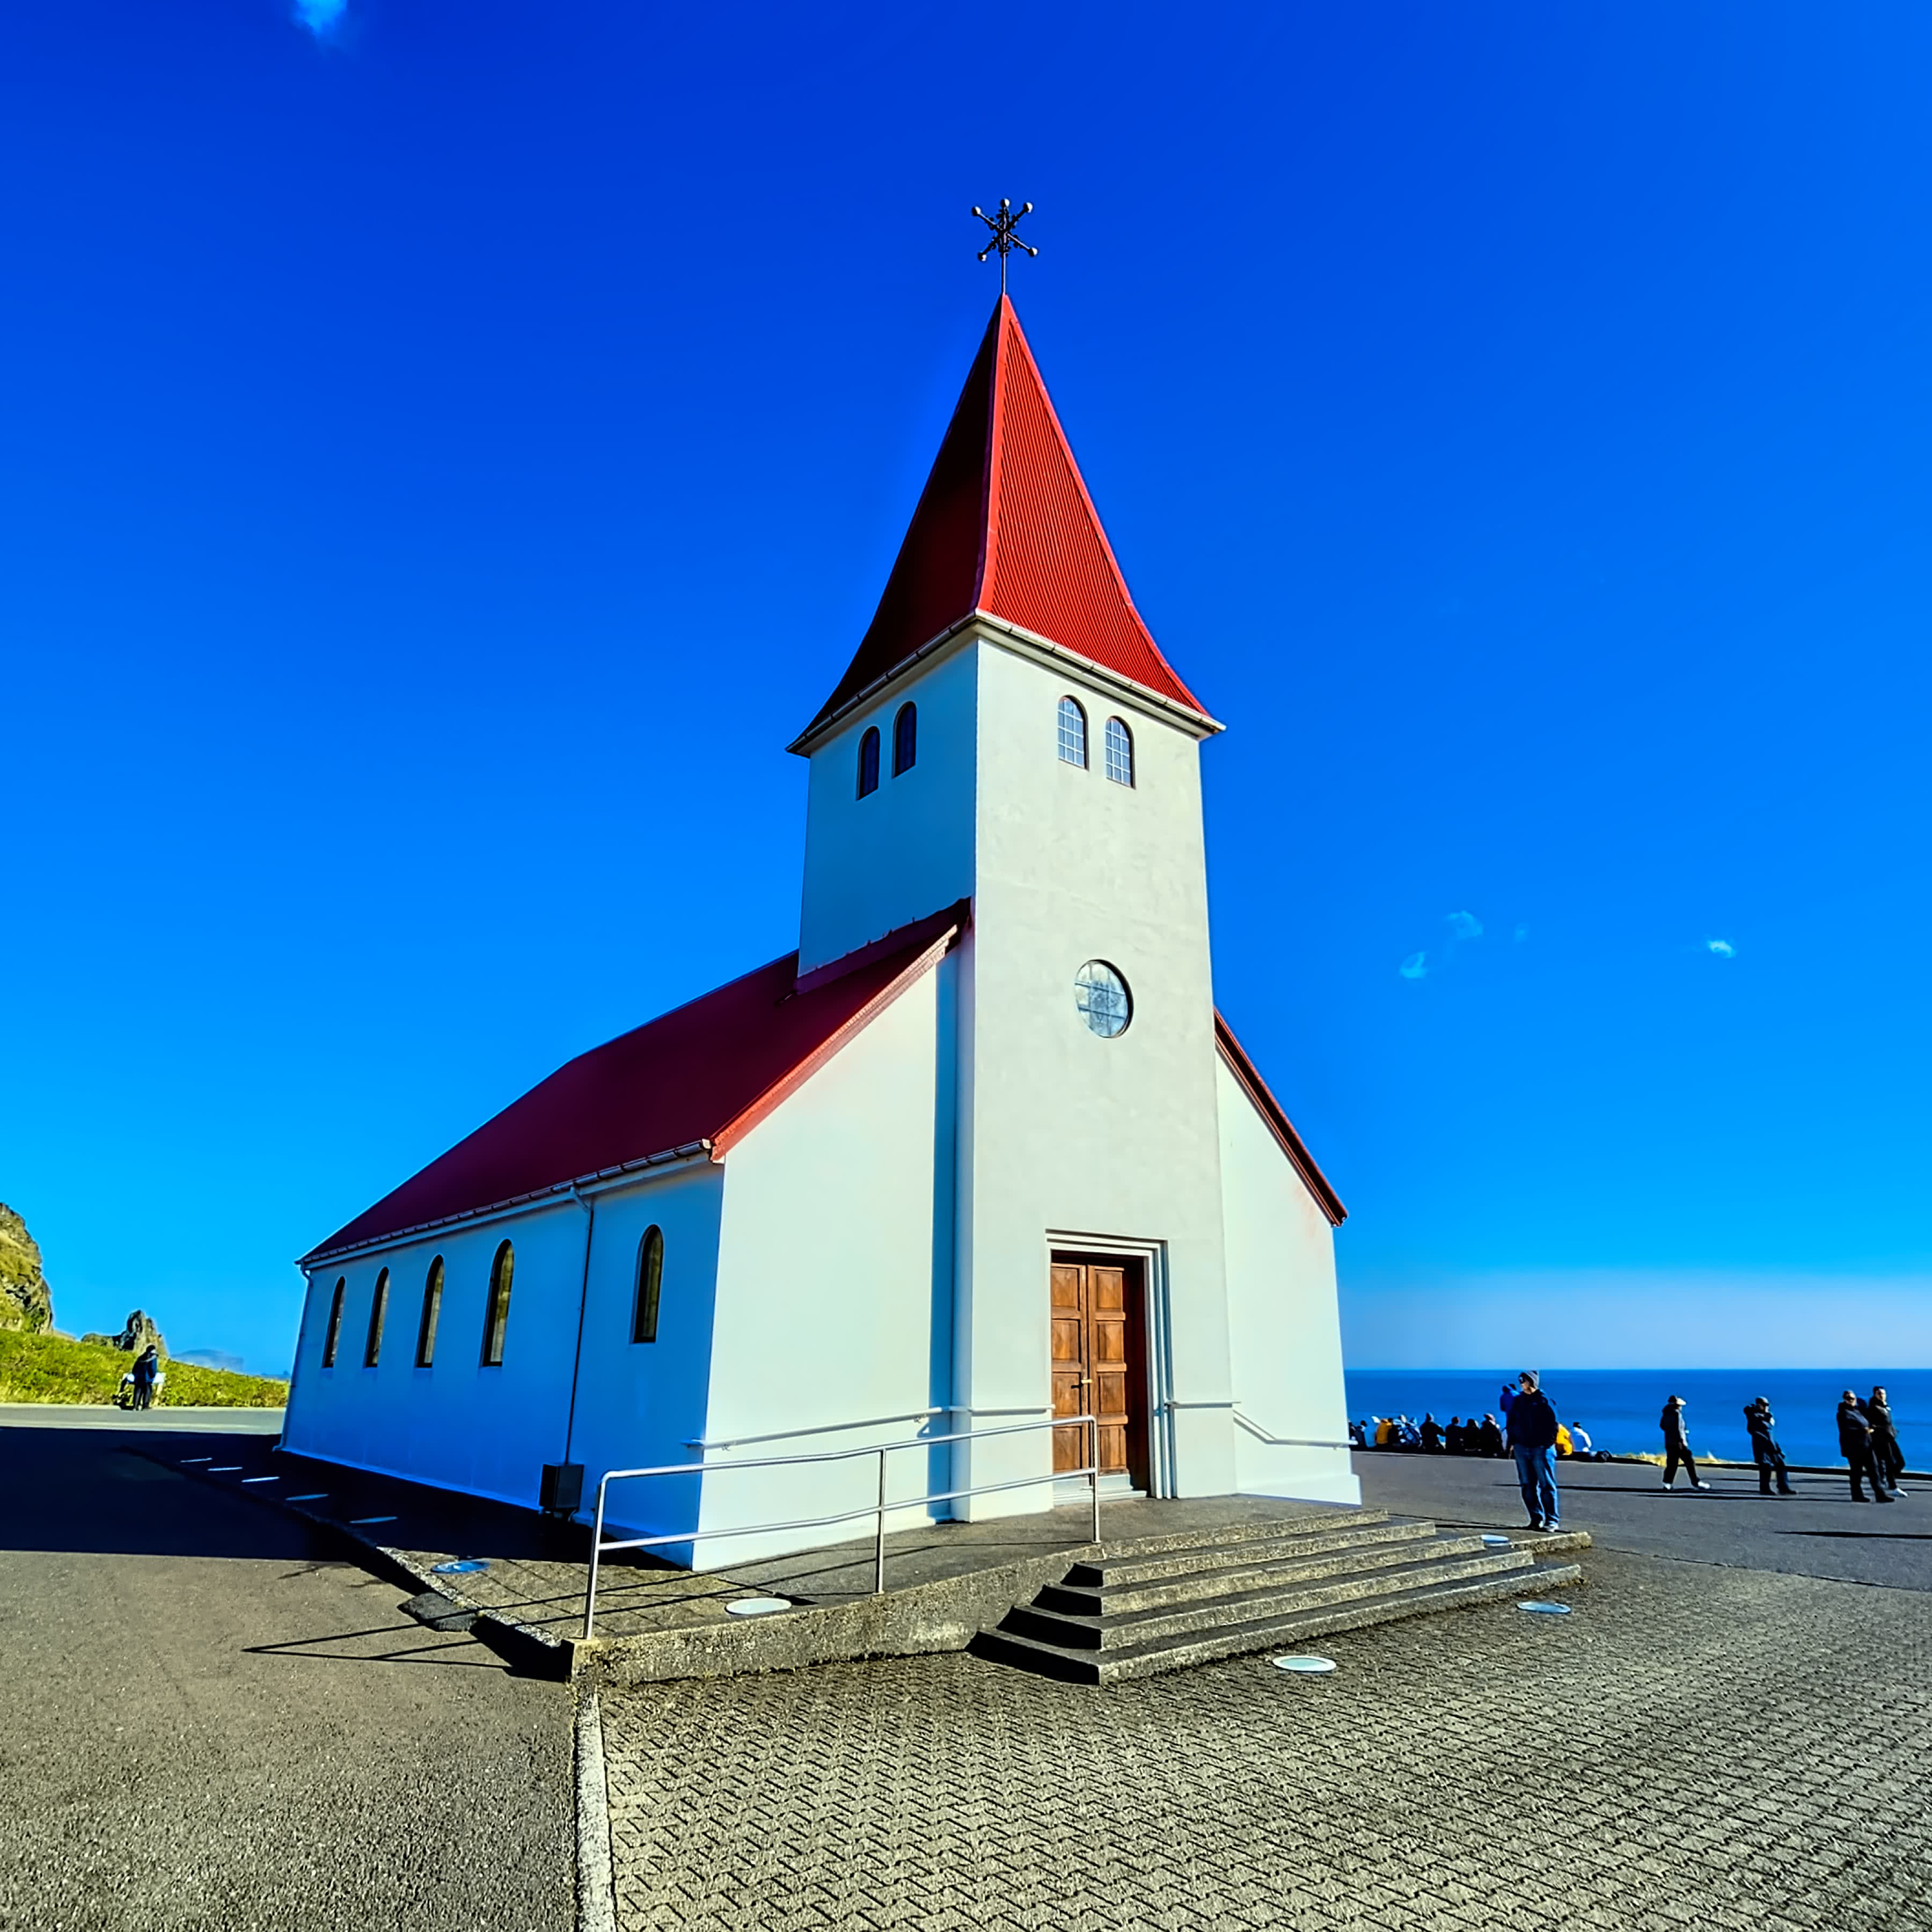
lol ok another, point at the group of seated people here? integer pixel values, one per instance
(1471, 1438)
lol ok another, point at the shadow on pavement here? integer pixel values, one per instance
(446, 1653)
(98, 1491)
(1867, 1535)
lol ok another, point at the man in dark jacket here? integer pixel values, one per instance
(1532, 1437)
(1490, 1437)
(1855, 1445)
(1885, 1451)
(1764, 1451)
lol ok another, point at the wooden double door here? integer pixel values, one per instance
(1099, 1308)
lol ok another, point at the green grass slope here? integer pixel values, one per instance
(50, 1368)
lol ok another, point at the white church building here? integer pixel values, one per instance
(980, 1153)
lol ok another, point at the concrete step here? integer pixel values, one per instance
(1269, 1633)
(1110, 1574)
(1219, 1580)
(1218, 1535)
(1287, 1598)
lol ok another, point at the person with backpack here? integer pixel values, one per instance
(1677, 1446)
(147, 1367)
(1764, 1451)
(1532, 1438)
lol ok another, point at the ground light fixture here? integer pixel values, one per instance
(1546, 1609)
(1497, 1542)
(467, 1566)
(1305, 1666)
(756, 1606)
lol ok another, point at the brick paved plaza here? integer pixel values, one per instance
(1693, 1746)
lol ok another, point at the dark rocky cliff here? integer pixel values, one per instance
(26, 1300)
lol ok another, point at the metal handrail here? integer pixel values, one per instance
(877, 1511)
(822, 1428)
(1254, 1428)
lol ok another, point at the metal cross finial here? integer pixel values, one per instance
(1004, 239)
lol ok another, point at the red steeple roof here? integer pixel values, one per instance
(1005, 527)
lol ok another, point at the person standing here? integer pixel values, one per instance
(147, 1366)
(1885, 1452)
(1764, 1451)
(1677, 1445)
(1855, 1445)
(1532, 1438)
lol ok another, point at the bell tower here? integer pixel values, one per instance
(1009, 733)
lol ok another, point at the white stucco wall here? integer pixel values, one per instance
(456, 1423)
(641, 1405)
(826, 1289)
(1072, 1135)
(1283, 1321)
(876, 863)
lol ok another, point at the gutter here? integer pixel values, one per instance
(604, 1177)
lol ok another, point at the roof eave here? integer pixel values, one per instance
(603, 1176)
(1248, 1076)
(780, 1091)
(1196, 724)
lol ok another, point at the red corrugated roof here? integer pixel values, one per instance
(1005, 526)
(706, 1071)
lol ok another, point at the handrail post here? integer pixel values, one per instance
(596, 1549)
(879, 1548)
(1094, 1477)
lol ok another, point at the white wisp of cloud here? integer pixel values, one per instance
(1722, 948)
(1464, 925)
(321, 17)
(1415, 967)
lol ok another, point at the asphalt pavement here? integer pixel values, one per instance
(166, 1420)
(213, 1719)
(1817, 1532)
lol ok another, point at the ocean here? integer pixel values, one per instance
(1619, 1406)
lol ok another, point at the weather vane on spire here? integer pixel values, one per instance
(1004, 239)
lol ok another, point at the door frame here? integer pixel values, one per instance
(1157, 1340)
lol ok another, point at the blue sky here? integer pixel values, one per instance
(445, 454)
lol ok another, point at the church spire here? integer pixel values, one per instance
(1005, 529)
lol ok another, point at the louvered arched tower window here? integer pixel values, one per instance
(905, 739)
(869, 761)
(1073, 733)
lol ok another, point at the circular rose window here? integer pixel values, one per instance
(1103, 1000)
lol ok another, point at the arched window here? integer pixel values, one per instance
(379, 1309)
(333, 1335)
(650, 1280)
(496, 1315)
(905, 739)
(432, 1309)
(1073, 733)
(869, 761)
(1119, 753)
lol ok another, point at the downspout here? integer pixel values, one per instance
(583, 1303)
